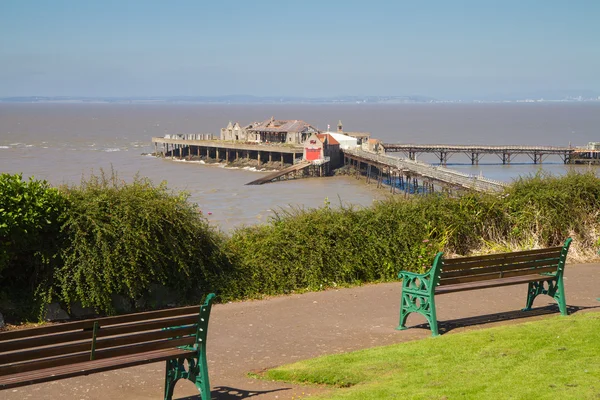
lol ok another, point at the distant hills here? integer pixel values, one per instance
(229, 99)
(566, 96)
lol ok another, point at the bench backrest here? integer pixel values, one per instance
(502, 265)
(103, 338)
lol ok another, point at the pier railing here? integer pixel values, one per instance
(438, 173)
(475, 152)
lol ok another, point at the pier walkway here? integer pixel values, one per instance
(438, 174)
(475, 152)
(286, 172)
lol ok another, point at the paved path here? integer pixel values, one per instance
(257, 335)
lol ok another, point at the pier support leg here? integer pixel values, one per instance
(258, 158)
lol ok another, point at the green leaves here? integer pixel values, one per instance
(107, 237)
(125, 236)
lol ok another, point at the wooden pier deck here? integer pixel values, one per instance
(427, 172)
(475, 152)
(226, 151)
(286, 172)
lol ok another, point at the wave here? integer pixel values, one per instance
(110, 150)
(4, 147)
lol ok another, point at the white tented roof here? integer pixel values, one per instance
(346, 142)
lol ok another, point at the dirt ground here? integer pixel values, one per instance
(257, 335)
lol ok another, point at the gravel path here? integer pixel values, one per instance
(256, 335)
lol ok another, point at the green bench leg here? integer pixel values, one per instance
(197, 373)
(555, 290)
(426, 308)
(201, 380)
(559, 296)
(532, 293)
(172, 375)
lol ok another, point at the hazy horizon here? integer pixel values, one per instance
(445, 50)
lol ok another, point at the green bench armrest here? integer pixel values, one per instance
(425, 282)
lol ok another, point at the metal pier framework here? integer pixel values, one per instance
(475, 152)
(406, 174)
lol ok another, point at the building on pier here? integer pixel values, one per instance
(361, 137)
(294, 132)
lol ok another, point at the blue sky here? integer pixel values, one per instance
(444, 49)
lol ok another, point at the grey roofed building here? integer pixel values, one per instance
(270, 131)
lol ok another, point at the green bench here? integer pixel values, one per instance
(66, 350)
(541, 269)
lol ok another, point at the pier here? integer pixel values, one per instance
(407, 172)
(183, 148)
(475, 152)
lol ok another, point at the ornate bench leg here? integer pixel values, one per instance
(555, 290)
(433, 324)
(403, 315)
(172, 375)
(533, 290)
(559, 296)
(422, 304)
(201, 381)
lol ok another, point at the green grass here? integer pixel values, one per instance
(553, 358)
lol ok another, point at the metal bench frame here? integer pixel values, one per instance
(66, 350)
(541, 269)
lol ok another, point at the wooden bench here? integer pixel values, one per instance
(541, 269)
(59, 351)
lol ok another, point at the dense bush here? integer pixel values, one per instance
(548, 208)
(104, 237)
(315, 248)
(31, 213)
(122, 237)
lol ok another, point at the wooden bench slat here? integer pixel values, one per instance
(83, 346)
(496, 276)
(88, 367)
(516, 254)
(144, 337)
(497, 261)
(145, 347)
(44, 363)
(105, 321)
(460, 287)
(100, 354)
(38, 341)
(499, 268)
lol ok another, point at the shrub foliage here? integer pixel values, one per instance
(125, 236)
(104, 237)
(31, 213)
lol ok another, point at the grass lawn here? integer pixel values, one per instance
(554, 358)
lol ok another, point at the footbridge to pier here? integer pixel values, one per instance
(537, 154)
(399, 169)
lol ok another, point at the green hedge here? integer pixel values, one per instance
(103, 237)
(123, 237)
(325, 247)
(31, 215)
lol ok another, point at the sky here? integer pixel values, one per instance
(311, 48)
